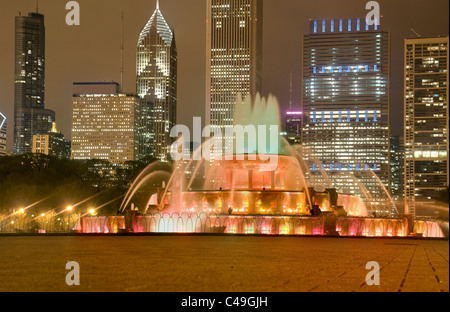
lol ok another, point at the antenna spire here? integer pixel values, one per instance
(37, 6)
(121, 56)
(290, 93)
(157, 4)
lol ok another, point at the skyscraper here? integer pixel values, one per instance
(157, 86)
(346, 69)
(30, 115)
(293, 127)
(233, 56)
(397, 164)
(104, 123)
(2, 134)
(426, 123)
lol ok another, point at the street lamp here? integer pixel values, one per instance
(21, 213)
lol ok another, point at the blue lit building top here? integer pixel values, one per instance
(343, 25)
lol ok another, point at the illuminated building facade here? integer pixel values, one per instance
(293, 127)
(397, 164)
(233, 57)
(52, 143)
(157, 86)
(3, 130)
(104, 123)
(426, 123)
(30, 115)
(346, 69)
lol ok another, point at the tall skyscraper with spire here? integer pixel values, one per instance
(233, 57)
(30, 115)
(156, 86)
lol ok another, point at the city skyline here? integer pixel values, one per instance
(192, 59)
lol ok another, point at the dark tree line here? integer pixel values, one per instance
(54, 184)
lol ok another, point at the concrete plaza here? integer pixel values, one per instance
(221, 264)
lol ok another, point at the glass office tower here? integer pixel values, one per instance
(233, 57)
(426, 123)
(346, 69)
(30, 115)
(156, 63)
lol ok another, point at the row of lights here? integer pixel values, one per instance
(69, 208)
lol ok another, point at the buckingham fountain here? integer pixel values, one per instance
(243, 192)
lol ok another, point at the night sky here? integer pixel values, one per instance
(91, 52)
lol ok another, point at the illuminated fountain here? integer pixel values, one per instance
(238, 194)
(241, 184)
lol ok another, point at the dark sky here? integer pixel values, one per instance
(91, 51)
